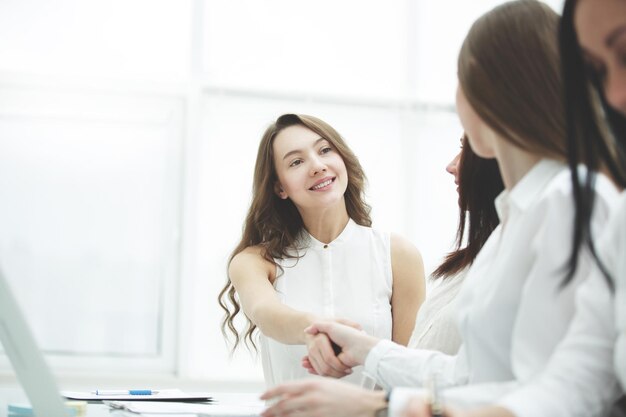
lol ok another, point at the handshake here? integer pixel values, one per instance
(335, 347)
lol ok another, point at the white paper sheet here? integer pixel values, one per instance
(163, 394)
(247, 409)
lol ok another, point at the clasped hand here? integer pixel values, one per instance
(321, 359)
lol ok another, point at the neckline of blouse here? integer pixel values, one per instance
(342, 238)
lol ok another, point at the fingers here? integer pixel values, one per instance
(306, 364)
(346, 359)
(319, 327)
(329, 356)
(292, 388)
(312, 330)
(339, 333)
(323, 359)
(331, 368)
(416, 407)
(288, 407)
(355, 345)
(296, 399)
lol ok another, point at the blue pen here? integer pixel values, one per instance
(125, 392)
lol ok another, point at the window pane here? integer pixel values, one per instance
(439, 36)
(350, 47)
(138, 38)
(90, 186)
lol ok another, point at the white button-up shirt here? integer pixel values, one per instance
(580, 378)
(615, 249)
(512, 311)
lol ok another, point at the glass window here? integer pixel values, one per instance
(90, 185)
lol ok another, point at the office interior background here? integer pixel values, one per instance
(128, 132)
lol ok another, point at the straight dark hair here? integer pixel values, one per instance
(589, 141)
(479, 184)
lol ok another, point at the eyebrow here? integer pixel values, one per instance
(295, 151)
(614, 35)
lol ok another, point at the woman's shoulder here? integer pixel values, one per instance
(562, 184)
(401, 243)
(250, 257)
(251, 251)
(447, 286)
(404, 251)
(558, 193)
(375, 232)
(398, 245)
(362, 233)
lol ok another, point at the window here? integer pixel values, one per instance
(91, 187)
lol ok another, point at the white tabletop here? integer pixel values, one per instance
(223, 402)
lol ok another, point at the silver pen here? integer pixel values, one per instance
(436, 405)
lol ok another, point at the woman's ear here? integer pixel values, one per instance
(279, 191)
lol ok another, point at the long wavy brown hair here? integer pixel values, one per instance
(275, 224)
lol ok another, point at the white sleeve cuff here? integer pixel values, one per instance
(400, 398)
(372, 360)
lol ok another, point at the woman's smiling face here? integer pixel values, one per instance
(310, 171)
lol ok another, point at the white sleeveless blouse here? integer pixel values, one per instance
(348, 278)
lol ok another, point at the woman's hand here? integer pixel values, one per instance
(355, 344)
(321, 358)
(322, 397)
(419, 407)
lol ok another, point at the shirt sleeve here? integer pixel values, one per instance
(393, 365)
(579, 379)
(468, 396)
(562, 348)
(400, 398)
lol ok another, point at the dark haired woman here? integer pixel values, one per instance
(593, 44)
(479, 183)
(308, 253)
(512, 311)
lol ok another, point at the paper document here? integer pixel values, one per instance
(160, 395)
(213, 410)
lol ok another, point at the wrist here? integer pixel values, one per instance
(376, 401)
(307, 320)
(365, 347)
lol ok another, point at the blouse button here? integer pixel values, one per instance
(325, 246)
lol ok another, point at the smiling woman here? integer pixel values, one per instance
(310, 172)
(308, 253)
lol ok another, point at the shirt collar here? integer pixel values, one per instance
(343, 237)
(528, 189)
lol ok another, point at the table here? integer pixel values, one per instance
(223, 400)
